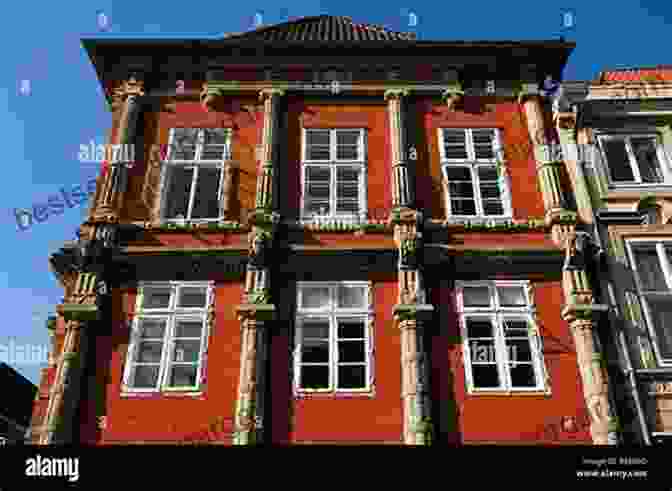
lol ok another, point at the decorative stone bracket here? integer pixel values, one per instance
(452, 95)
(420, 312)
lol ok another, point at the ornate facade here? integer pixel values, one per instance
(617, 142)
(369, 248)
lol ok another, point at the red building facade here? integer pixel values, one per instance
(361, 247)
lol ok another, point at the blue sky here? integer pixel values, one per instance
(65, 108)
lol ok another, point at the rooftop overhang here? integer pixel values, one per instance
(114, 56)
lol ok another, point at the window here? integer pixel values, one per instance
(476, 185)
(169, 337)
(653, 274)
(193, 174)
(334, 174)
(502, 349)
(333, 351)
(634, 159)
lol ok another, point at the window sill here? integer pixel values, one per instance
(369, 394)
(510, 393)
(635, 192)
(161, 394)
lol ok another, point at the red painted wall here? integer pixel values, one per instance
(168, 417)
(520, 418)
(429, 116)
(329, 418)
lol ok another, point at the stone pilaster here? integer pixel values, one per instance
(401, 189)
(411, 312)
(548, 167)
(268, 153)
(581, 313)
(109, 198)
(254, 314)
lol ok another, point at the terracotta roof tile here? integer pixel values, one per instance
(662, 73)
(324, 28)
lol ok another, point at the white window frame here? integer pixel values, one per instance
(332, 314)
(168, 164)
(472, 163)
(634, 165)
(497, 315)
(666, 267)
(171, 314)
(333, 163)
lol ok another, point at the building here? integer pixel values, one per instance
(335, 234)
(618, 149)
(15, 406)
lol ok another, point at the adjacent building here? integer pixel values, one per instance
(332, 233)
(618, 149)
(16, 405)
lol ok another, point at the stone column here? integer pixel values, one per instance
(109, 199)
(580, 312)
(62, 400)
(268, 154)
(401, 190)
(410, 312)
(548, 168)
(246, 418)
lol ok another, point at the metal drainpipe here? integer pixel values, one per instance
(635, 391)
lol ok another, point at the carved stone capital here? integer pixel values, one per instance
(130, 88)
(257, 312)
(582, 316)
(268, 93)
(565, 121)
(396, 93)
(208, 96)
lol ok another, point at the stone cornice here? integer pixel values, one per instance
(168, 250)
(513, 225)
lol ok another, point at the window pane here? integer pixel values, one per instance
(318, 186)
(485, 376)
(347, 152)
(314, 297)
(188, 329)
(182, 376)
(214, 144)
(192, 297)
(351, 351)
(352, 377)
(493, 208)
(518, 350)
(316, 329)
(186, 351)
(460, 189)
(454, 173)
(463, 207)
(352, 297)
(479, 328)
(353, 329)
(511, 296)
(347, 190)
(183, 144)
(206, 200)
(179, 189)
(317, 142)
(649, 269)
(317, 137)
(476, 296)
(145, 377)
(314, 377)
(315, 351)
(661, 316)
(152, 328)
(156, 298)
(516, 328)
(523, 376)
(647, 159)
(454, 144)
(350, 137)
(149, 352)
(618, 161)
(483, 143)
